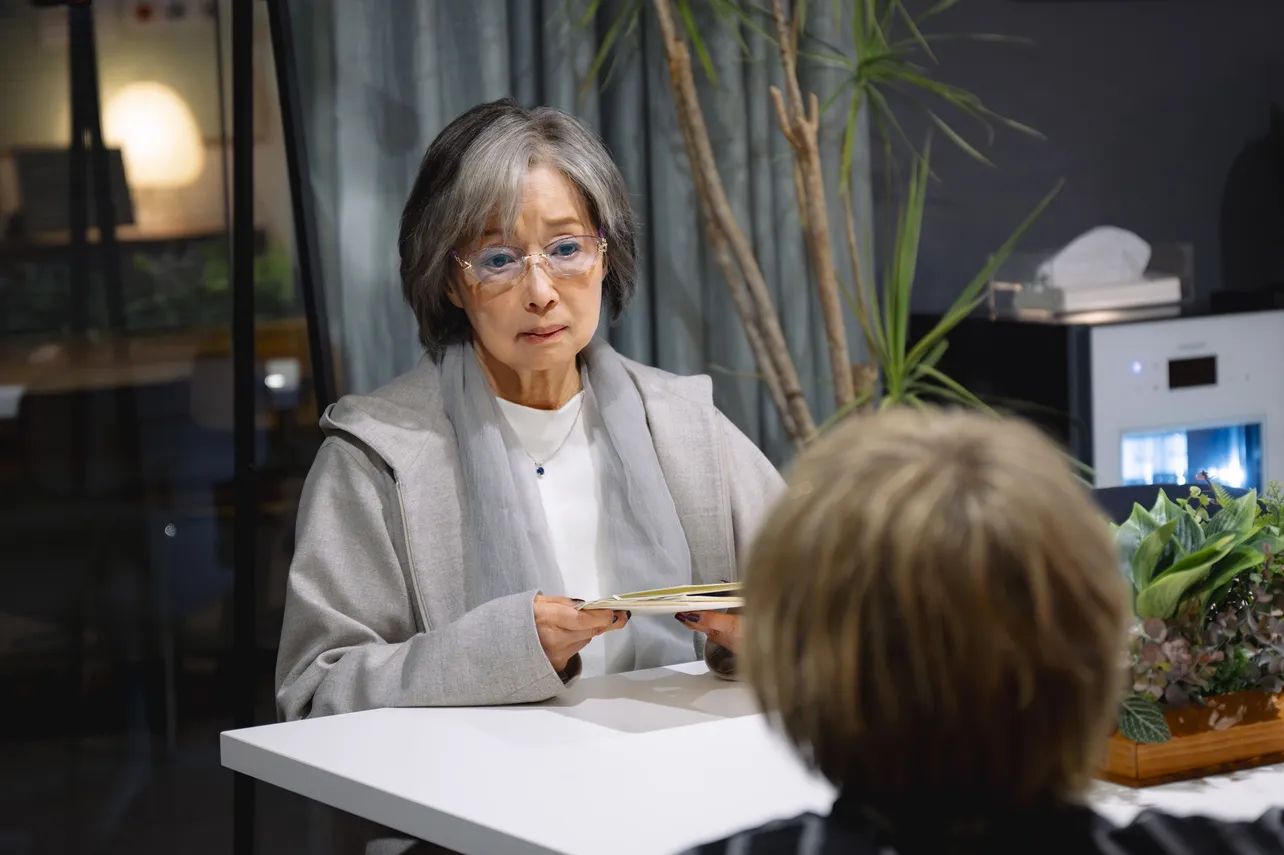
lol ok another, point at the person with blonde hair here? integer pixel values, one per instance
(935, 620)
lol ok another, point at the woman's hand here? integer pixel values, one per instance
(722, 629)
(564, 630)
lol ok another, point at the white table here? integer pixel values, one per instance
(633, 759)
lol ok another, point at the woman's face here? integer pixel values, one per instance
(539, 321)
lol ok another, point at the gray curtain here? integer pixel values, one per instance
(380, 78)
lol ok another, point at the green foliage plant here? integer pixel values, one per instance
(1207, 580)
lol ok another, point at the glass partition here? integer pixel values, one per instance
(116, 422)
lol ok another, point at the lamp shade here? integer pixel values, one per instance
(157, 134)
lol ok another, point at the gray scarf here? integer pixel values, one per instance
(506, 541)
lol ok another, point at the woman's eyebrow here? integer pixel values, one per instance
(559, 222)
(494, 236)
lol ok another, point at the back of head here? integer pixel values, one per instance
(934, 606)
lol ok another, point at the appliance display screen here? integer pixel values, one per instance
(1231, 455)
(1198, 371)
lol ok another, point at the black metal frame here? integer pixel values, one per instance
(244, 379)
(89, 155)
(305, 227)
(245, 374)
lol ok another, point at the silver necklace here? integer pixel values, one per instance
(539, 464)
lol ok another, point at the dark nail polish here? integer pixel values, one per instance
(615, 618)
(577, 602)
(687, 618)
(629, 615)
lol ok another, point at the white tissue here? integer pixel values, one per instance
(1105, 255)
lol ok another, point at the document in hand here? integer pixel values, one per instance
(671, 601)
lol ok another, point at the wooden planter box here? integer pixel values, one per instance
(1197, 749)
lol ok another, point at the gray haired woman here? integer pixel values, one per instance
(451, 516)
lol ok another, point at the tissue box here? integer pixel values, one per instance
(1017, 291)
(1151, 291)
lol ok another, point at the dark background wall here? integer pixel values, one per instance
(1145, 105)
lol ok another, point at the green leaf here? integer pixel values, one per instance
(1142, 720)
(1238, 560)
(1219, 492)
(951, 390)
(915, 401)
(590, 11)
(854, 404)
(832, 61)
(1134, 529)
(975, 289)
(1236, 516)
(912, 25)
(1079, 466)
(887, 21)
(957, 139)
(933, 358)
(1164, 595)
(997, 38)
(1265, 540)
(1019, 127)
(697, 41)
(872, 20)
(850, 129)
(1164, 508)
(899, 283)
(1187, 535)
(1214, 549)
(733, 12)
(941, 6)
(888, 119)
(1148, 553)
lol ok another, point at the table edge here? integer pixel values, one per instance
(389, 809)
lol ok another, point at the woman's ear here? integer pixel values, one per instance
(453, 292)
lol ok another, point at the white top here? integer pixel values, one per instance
(571, 492)
(477, 780)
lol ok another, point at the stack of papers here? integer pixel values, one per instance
(672, 601)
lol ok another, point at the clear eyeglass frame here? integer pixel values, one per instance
(551, 264)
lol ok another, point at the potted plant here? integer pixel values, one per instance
(885, 54)
(1207, 648)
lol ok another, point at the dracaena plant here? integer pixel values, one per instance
(1208, 586)
(908, 370)
(886, 55)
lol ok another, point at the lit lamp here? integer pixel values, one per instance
(161, 146)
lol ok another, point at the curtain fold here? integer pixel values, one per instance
(380, 78)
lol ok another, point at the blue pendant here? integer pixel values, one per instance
(539, 470)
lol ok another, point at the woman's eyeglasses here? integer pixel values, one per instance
(498, 266)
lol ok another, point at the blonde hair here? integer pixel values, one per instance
(935, 604)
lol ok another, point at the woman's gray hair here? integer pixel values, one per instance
(475, 168)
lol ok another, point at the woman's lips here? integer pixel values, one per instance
(541, 337)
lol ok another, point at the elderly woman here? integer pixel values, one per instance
(451, 516)
(951, 658)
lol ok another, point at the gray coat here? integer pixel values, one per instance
(374, 609)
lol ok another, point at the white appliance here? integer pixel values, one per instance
(1175, 396)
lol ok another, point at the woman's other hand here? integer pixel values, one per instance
(565, 631)
(722, 629)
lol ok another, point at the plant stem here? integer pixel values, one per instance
(749, 289)
(744, 303)
(801, 127)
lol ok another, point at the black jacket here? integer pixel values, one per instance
(927, 828)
